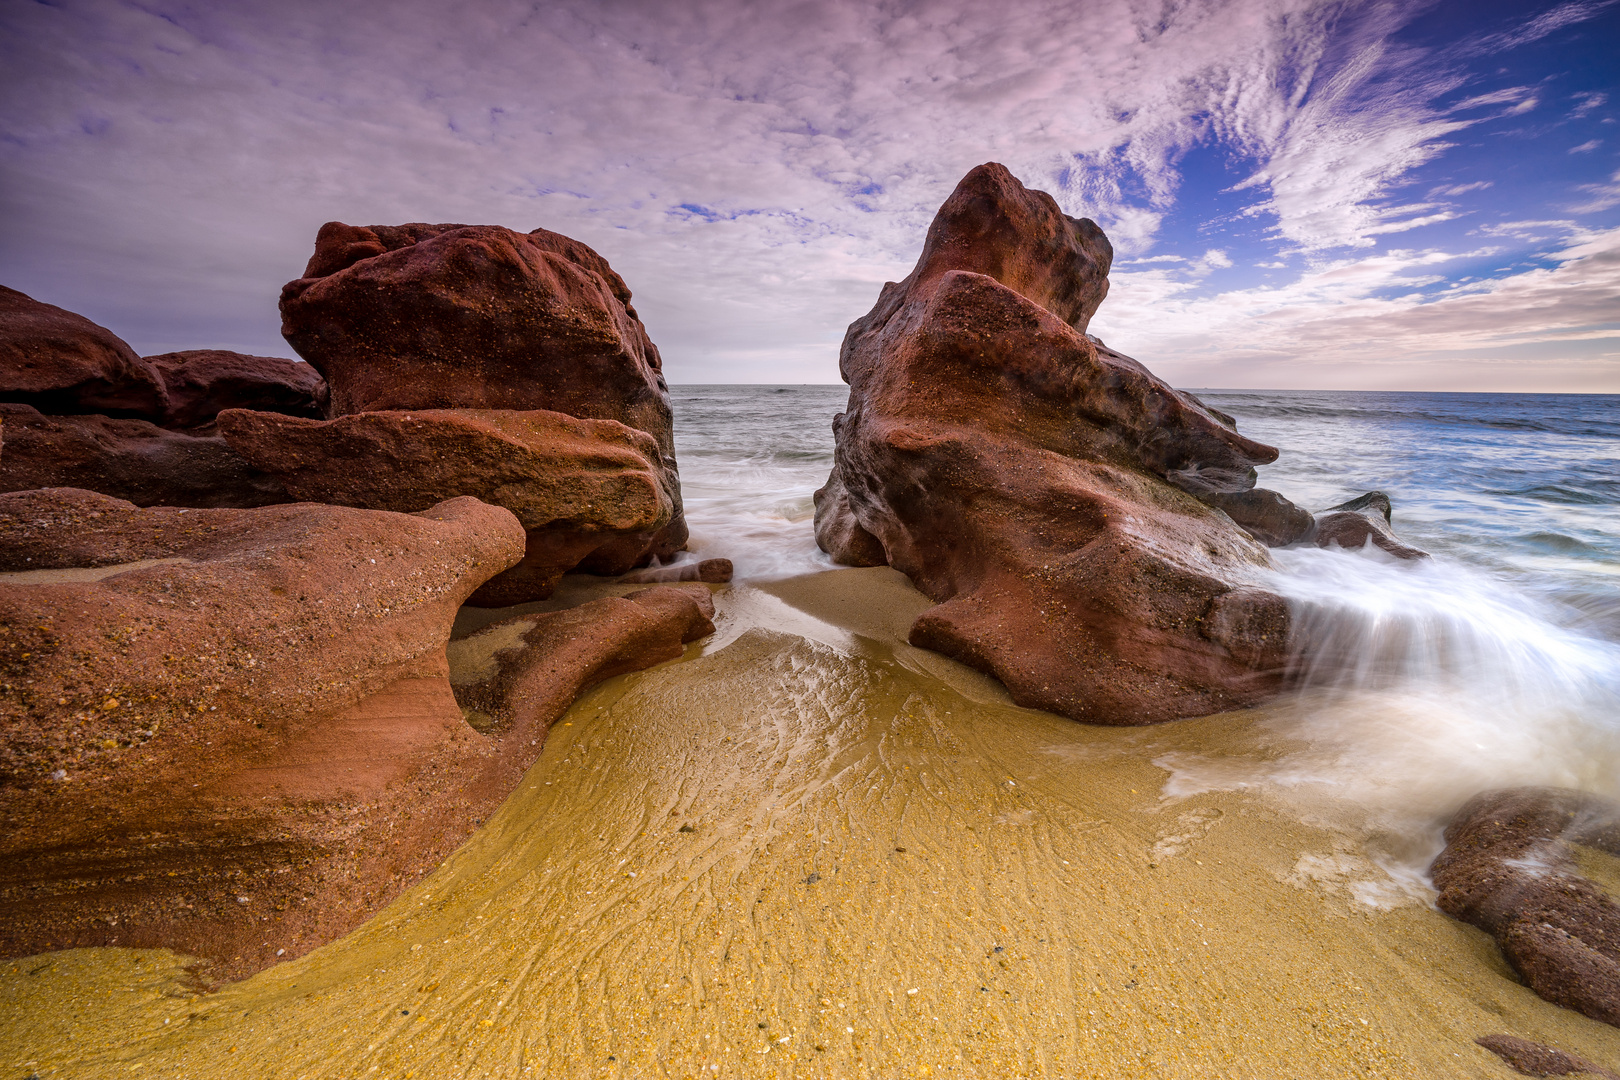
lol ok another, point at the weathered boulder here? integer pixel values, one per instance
(1508, 869)
(231, 732)
(1265, 515)
(203, 382)
(1037, 486)
(575, 485)
(1362, 519)
(128, 459)
(518, 675)
(63, 363)
(415, 317)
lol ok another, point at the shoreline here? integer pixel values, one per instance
(827, 838)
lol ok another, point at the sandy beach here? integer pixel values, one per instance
(808, 849)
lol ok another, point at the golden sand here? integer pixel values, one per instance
(809, 850)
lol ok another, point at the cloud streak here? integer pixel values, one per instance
(755, 171)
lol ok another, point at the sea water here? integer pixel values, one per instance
(1417, 684)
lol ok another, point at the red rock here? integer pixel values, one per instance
(259, 707)
(60, 362)
(1036, 485)
(202, 382)
(518, 675)
(1508, 869)
(1266, 516)
(418, 316)
(127, 459)
(578, 486)
(1362, 519)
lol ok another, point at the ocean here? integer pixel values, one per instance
(1495, 663)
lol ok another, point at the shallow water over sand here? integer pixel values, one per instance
(808, 849)
(811, 855)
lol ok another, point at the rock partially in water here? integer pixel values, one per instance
(134, 460)
(201, 383)
(577, 486)
(1508, 869)
(246, 742)
(1266, 515)
(1366, 518)
(520, 674)
(1039, 486)
(418, 316)
(62, 363)
(1535, 1059)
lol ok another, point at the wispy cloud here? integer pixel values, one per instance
(755, 171)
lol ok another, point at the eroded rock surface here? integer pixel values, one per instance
(516, 676)
(576, 486)
(1366, 518)
(201, 383)
(62, 363)
(1265, 515)
(416, 317)
(134, 460)
(1039, 486)
(231, 732)
(1508, 868)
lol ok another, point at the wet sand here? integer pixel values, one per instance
(807, 849)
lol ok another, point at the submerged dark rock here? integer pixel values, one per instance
(1535, 1059)
(1035, 483)
(1508, 868)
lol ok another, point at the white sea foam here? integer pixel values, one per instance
(1419, 685)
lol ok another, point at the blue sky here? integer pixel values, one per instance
(1301, 194)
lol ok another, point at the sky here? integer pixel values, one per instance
(1339, 195)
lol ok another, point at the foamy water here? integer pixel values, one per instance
(1495, 663)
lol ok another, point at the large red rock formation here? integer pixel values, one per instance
(1038, 487)
(574, 485)
(128, 459)
(60, 362)
(1508, 868)
(237, 733)
(420, 316)
(230, 732)
(203, 382)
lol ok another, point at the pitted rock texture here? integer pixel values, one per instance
(62, 363)
(128, 459)
(1508, 869)
(229, 732)
(203, 382)
(1036, 484)
(419, 316)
